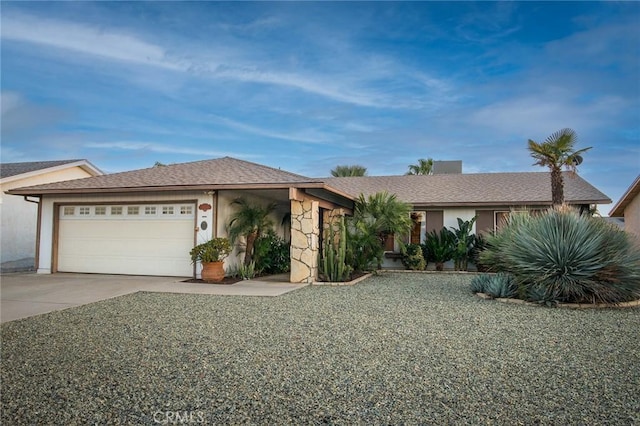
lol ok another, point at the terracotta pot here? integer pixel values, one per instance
(213, 272)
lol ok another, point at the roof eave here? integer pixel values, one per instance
(164, 188)
(623, 202)
(504, 203)
(83, 164)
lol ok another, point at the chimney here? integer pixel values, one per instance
(447, 167)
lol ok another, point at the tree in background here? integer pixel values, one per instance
(555, 153)
(349, 171)
(424, 167)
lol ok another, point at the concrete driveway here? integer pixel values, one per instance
(26, 294)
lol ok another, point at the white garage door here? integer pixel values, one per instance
(146, 239)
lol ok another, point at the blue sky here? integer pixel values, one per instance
(308, 86)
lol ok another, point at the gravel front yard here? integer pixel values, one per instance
(397, 348)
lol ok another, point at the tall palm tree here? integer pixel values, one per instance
(424, 167)
(249, 221)
(349, 171)
(555, 153)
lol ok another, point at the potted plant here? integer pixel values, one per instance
(211, 255)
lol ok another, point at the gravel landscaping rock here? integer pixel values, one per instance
(394, 349)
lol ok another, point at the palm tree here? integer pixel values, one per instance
(249, 221)
(381, 215)
(424, 167)
(349, 171)
(555, 153)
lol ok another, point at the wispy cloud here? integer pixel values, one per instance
(353, 87)
(307, 136)
(108, 44)
(163, 149)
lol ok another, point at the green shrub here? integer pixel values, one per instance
(247, 272)
(567, 257)
(439, 247)
(463, 243)
(479, 244)
(412, 257)
(271, 254)
(364, 250)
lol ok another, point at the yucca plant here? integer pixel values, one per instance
(479, 283)
(495, 285)
(567, 257)
(501, 285)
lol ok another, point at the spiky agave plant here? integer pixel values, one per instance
(568, 257)
(479, 283)
(501, 285)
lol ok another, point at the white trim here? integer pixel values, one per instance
(84, 165)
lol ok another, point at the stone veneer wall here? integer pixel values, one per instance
(305, 216)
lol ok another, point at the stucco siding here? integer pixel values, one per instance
(451, 216)
(632, 216)
(18, 217)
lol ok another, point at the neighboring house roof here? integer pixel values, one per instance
(527, 188)
(631, 193)
(220, 173)
(12, 171)
(433, 190)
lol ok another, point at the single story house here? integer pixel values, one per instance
(19, 218)
(146, 221)
(628, 208)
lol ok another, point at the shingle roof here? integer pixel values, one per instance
(631, 193)
(217, 172)
(13, 169)
(472, 189)
(437, 190)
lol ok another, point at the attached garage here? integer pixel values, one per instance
(132, 239)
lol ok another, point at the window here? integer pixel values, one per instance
(501, 219)
(69, 211)
(116, 210)
(85, 211)
(167, 209)
(150, 210)
(389, 242)
(100, 210)
(186, 209)
(133, 210)
(416, 228)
